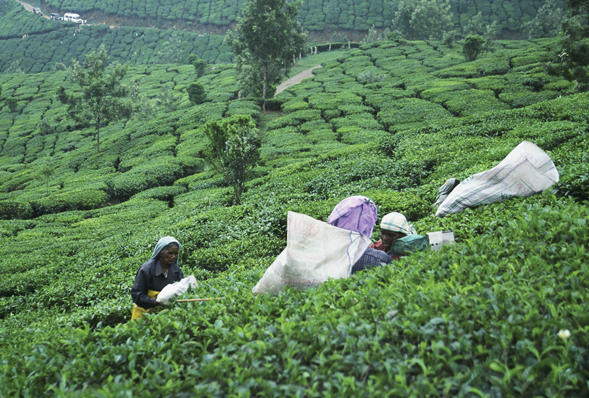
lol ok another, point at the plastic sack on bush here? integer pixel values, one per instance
(315, 251)
(527, 170)
(176, 289)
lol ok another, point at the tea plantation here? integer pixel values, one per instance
(485, 317)
(137, 46)
(316, 15)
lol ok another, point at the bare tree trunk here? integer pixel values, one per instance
(264, 89)
(98, 136)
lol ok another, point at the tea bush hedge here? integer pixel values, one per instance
(136, 45)
(486, 316)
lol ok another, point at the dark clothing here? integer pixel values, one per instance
(371, 258)
(380, 246)
(151, 277)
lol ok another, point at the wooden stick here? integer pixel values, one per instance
(202, 299)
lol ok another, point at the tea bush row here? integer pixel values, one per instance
(427, 325)
(49, 51)
(385, 321)
(315, 14)
(16, 22)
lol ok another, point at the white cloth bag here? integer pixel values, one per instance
(176, 289)
(527, 170)
(315, 251)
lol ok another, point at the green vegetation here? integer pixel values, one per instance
(473, 46)
(266, 51)
(234, 150)
(137, 46)
(103, 98)
(16, 22)
(571, 60)
(316, 15)
(424, 19)
(196, 93)
(503, 312)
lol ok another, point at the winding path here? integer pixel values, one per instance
(296, 79)
(29, 8)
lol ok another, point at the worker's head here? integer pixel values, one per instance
(168, 244)
(169, 254)
(394, 226)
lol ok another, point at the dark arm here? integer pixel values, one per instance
(139, 290)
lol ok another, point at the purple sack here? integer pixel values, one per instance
(356, 213)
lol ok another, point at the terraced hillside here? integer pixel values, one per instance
(389, 120)
(159, 32)
(316, 15)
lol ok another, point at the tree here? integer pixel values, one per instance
(196, 93)
(200, 65)
(267, 36)
(472, 47)
(166, 98)
(103, 98)
(572, 59)
(423, 19)
(234, 150)
(475, 26)
(46, 171)
(171, 51)
(547, 21)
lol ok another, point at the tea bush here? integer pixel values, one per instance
(481, 317)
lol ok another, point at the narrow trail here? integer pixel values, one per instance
(29, 8)
(296, 79)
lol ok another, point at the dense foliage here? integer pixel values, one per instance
(315, 14)
(137, 46)
(389, 120)
(16, 22)
(266, 42)
(103, 99)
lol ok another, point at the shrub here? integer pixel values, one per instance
(472, 47)
(10, 209)
(84, 199)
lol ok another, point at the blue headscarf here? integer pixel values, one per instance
(163, 242)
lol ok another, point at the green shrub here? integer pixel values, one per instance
(85, 199)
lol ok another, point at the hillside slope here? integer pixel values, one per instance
(354, 15)
(389, 120)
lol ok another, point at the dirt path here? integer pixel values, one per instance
(296, 79)
(29, 8)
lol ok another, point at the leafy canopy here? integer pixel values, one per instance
(234, 150)
(196, 93)
(267, 37)
(572, 60)
(472, 47)
(102, 98)
(423, 19)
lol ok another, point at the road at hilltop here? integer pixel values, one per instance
(29, 7)
(296, 79)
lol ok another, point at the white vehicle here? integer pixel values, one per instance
(73, 18)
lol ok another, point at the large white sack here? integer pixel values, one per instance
(315, 251)
(527, 170)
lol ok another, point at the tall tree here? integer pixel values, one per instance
(267, 36)
(572, 59)
(234, 150)
(423, 19)
(103, 98)
(547, 21)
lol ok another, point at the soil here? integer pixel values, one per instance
(296, 79)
